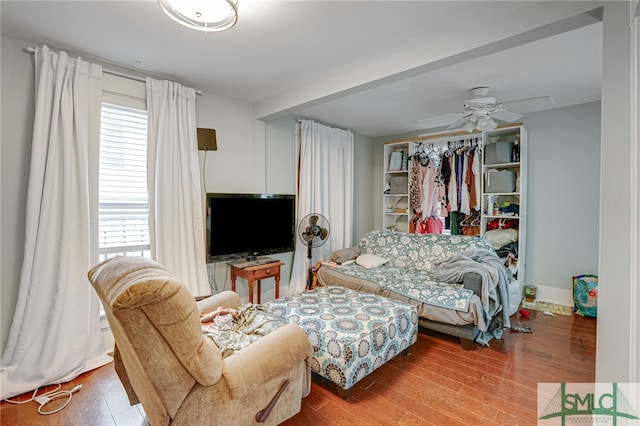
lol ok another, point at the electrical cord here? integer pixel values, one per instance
(47, 397)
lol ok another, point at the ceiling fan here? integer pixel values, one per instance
(481, 112)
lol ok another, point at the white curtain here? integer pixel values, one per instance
(176, 217)
(55, 333)
(325, 186)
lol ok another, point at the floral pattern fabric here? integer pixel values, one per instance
(411, 265)
(352, 332)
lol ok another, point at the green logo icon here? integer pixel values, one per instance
(611, 404)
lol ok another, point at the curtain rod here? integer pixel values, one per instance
(116, 73)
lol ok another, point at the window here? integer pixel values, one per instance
(123, 195)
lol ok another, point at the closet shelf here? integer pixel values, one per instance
(502, 193)
(500, 216)
(497, 165)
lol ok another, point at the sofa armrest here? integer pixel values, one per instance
(473, 282)
(269, 357)
(226, 299)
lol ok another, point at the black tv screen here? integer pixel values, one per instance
(245, 225)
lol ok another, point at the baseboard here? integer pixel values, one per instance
(560, 296)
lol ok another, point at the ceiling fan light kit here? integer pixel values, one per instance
(202, 15)
(481, 112)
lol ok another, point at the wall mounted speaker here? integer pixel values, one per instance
(207, 140)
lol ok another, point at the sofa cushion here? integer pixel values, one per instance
(344, 255)
(418, 251)
(370, 260)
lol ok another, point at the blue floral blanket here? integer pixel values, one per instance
(413, 261)
(414, 284)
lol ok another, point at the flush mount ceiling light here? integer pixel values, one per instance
(202, 15)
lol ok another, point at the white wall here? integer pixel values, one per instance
(16, 131)
(232, 167)
(563, 198)
(364, 187)
(616, 358)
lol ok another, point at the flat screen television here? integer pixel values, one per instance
(249, 225)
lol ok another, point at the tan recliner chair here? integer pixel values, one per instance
(178, 374)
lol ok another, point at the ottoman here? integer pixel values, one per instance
(352, 332)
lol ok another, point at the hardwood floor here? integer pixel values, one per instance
(437, 384)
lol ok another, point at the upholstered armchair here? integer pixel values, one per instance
(165, 362)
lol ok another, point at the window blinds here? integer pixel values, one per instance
(123, 194)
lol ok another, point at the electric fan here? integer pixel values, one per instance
(313, 230)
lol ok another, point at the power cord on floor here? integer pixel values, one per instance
(47, 397)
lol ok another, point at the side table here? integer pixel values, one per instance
(253, 273)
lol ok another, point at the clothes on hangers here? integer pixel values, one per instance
(444, 179)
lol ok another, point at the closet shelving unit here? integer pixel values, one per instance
(490, 200)
(396, 204)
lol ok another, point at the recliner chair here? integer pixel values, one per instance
(165, 362)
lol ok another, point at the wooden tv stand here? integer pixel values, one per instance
(256, 271)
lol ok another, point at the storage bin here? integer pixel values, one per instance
(498, 152)
(500, 181)
(399, 185)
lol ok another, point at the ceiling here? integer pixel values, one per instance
(375, 67)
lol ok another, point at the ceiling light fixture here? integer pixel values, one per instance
(202, 15)
(479, 119)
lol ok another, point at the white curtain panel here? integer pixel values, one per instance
(176, 221)
(325, 186)
(55, 333)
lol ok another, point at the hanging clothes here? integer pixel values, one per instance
(469, 180)
(444, 180)
(415, 191)
(476, 175)
(465, 207)
(453, 184)
(429, 191)
(434, 225)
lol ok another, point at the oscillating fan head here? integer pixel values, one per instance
(314, 229)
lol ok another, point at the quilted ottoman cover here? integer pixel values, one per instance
(352, 332)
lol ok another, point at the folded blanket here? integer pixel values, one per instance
(492, 272)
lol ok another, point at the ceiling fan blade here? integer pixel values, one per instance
(506, 116)
(441, 120)
(480, 102)
(459, 122)
(528, 104)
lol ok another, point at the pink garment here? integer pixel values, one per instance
(434, 226)
(429, 192)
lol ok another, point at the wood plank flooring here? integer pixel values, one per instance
(437, 384)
